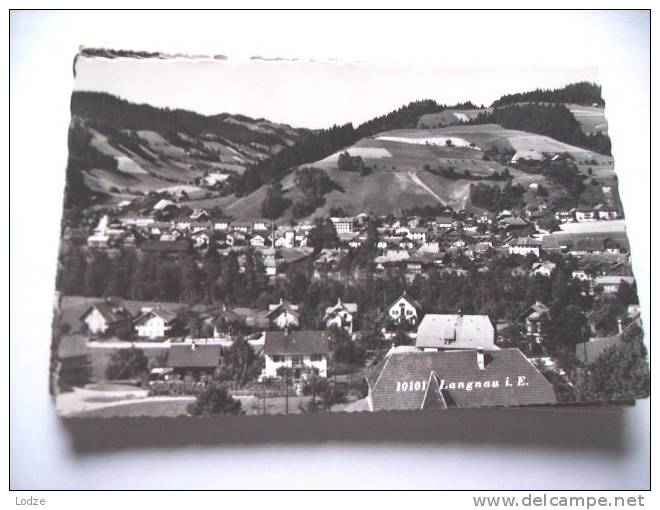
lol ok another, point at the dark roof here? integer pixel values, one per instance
(296, 342)
(194, 356)
(167, 315)
(112, 310)
(454, 367)
(227, 315)
(284, 306)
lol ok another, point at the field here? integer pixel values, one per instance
(448, 117)
(148, 408)
(591, 118)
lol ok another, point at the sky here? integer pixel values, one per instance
(310, 94)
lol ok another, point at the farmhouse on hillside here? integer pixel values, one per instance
(298, 350)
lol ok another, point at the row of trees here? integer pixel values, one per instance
(584, 93)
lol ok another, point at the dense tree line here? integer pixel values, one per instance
(583, 93)
(555, 121)
(348, 163)
(497, 198)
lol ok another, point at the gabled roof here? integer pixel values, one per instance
(296, 342)
(349, 307)
(535, 312)
(461, 381)
(283, 306)
(194, 356)
(227, 315)
(464, 332)
(112, 310)
(415, 304)
(167, 315)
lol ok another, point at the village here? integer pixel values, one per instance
(348, 353)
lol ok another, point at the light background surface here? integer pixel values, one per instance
(42, 46)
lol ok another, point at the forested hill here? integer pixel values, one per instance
(108, 112)
(583, 93)
(553, 120)
(328, 141)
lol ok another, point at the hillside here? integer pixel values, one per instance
(119, 149)
(406, 166)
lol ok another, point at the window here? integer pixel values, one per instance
(278, 359)
(296, 360)
(316, 357)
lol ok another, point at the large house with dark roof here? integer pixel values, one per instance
(409, 379)
(107, 317)
(439, 332)
(194, 360)
(298, 350)
(154, 323)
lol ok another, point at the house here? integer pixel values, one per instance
(283, 315)
(154, 323)
(455, 331)
(343, 315)
(611, 284)
(261, 225)
(404, 310)
(528, 155)
(583, 214)
(191, 359)
(298, 350)
(410, 379)
(605, 212)
(259, 241)
(107, 317)
(225, 322)
(533, 318)
(343, 225)
(524, 246)
(545, 268)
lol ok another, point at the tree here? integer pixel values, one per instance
(214, 399)
(239, 363)
(127, 364)
(620, 373)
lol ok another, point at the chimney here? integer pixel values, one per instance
(481, 362)
(193, 346)
(619, 323)
(460, 313)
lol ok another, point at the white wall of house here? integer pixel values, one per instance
(95, 322)
(274, 362)
(524, 250)
(408, 311)
(154, 327)
(285, 319)
(341, 319)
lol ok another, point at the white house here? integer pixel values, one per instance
(611, 284)
(258, 241)
(154, 323)
(524, 246)
(404, 310)
(582, 215)
(342, 315)
(545, 268)
(343, 225)
(283, 315)
(300, 351)
(455, 331)
(109, 316)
